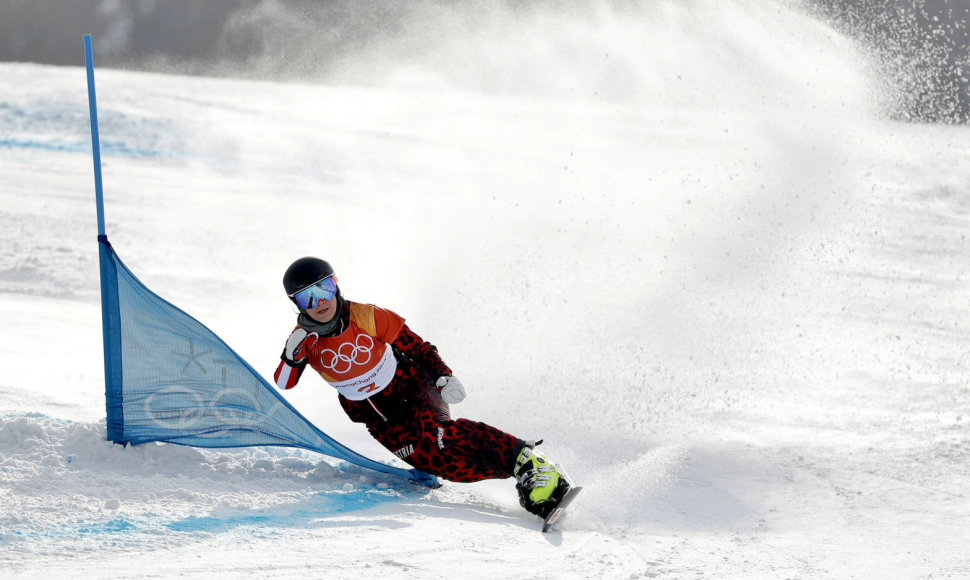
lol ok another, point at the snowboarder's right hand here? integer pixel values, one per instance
(295, 352)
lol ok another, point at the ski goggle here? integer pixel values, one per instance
(307, 298)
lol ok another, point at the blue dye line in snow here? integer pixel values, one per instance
(110, 527)
(318, 507)
(117, 148)
(35, 415)
(112, 148)
(44, 146)
(324, 504)
(115, 526)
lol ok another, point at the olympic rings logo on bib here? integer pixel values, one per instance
(348, 355)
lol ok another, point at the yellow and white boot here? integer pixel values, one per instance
(539, 482)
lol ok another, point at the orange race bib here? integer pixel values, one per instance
(359, 362)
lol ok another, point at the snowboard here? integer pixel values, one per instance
(560, 510)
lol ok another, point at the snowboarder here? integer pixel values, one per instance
(395, 383)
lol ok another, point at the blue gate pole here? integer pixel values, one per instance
(95, 140)
(110, 309)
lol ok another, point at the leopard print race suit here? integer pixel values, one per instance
(410, 419)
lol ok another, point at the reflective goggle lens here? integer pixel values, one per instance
(325, 289)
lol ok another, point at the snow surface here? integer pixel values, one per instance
(729, 296)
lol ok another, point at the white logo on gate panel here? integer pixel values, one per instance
(348, 354)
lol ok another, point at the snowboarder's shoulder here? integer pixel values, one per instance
(375, 320)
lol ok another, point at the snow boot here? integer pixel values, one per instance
(540, 484)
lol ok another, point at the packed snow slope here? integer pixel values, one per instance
(730, 297)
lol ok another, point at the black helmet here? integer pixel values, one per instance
(305, 272)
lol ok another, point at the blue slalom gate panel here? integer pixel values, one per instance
(169, 378)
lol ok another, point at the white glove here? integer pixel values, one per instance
(295, 351)
(451, 389)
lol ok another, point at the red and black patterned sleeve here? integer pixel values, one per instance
(421, 352)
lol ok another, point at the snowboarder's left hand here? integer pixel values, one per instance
(451, 389)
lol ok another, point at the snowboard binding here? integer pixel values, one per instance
(544, 488)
